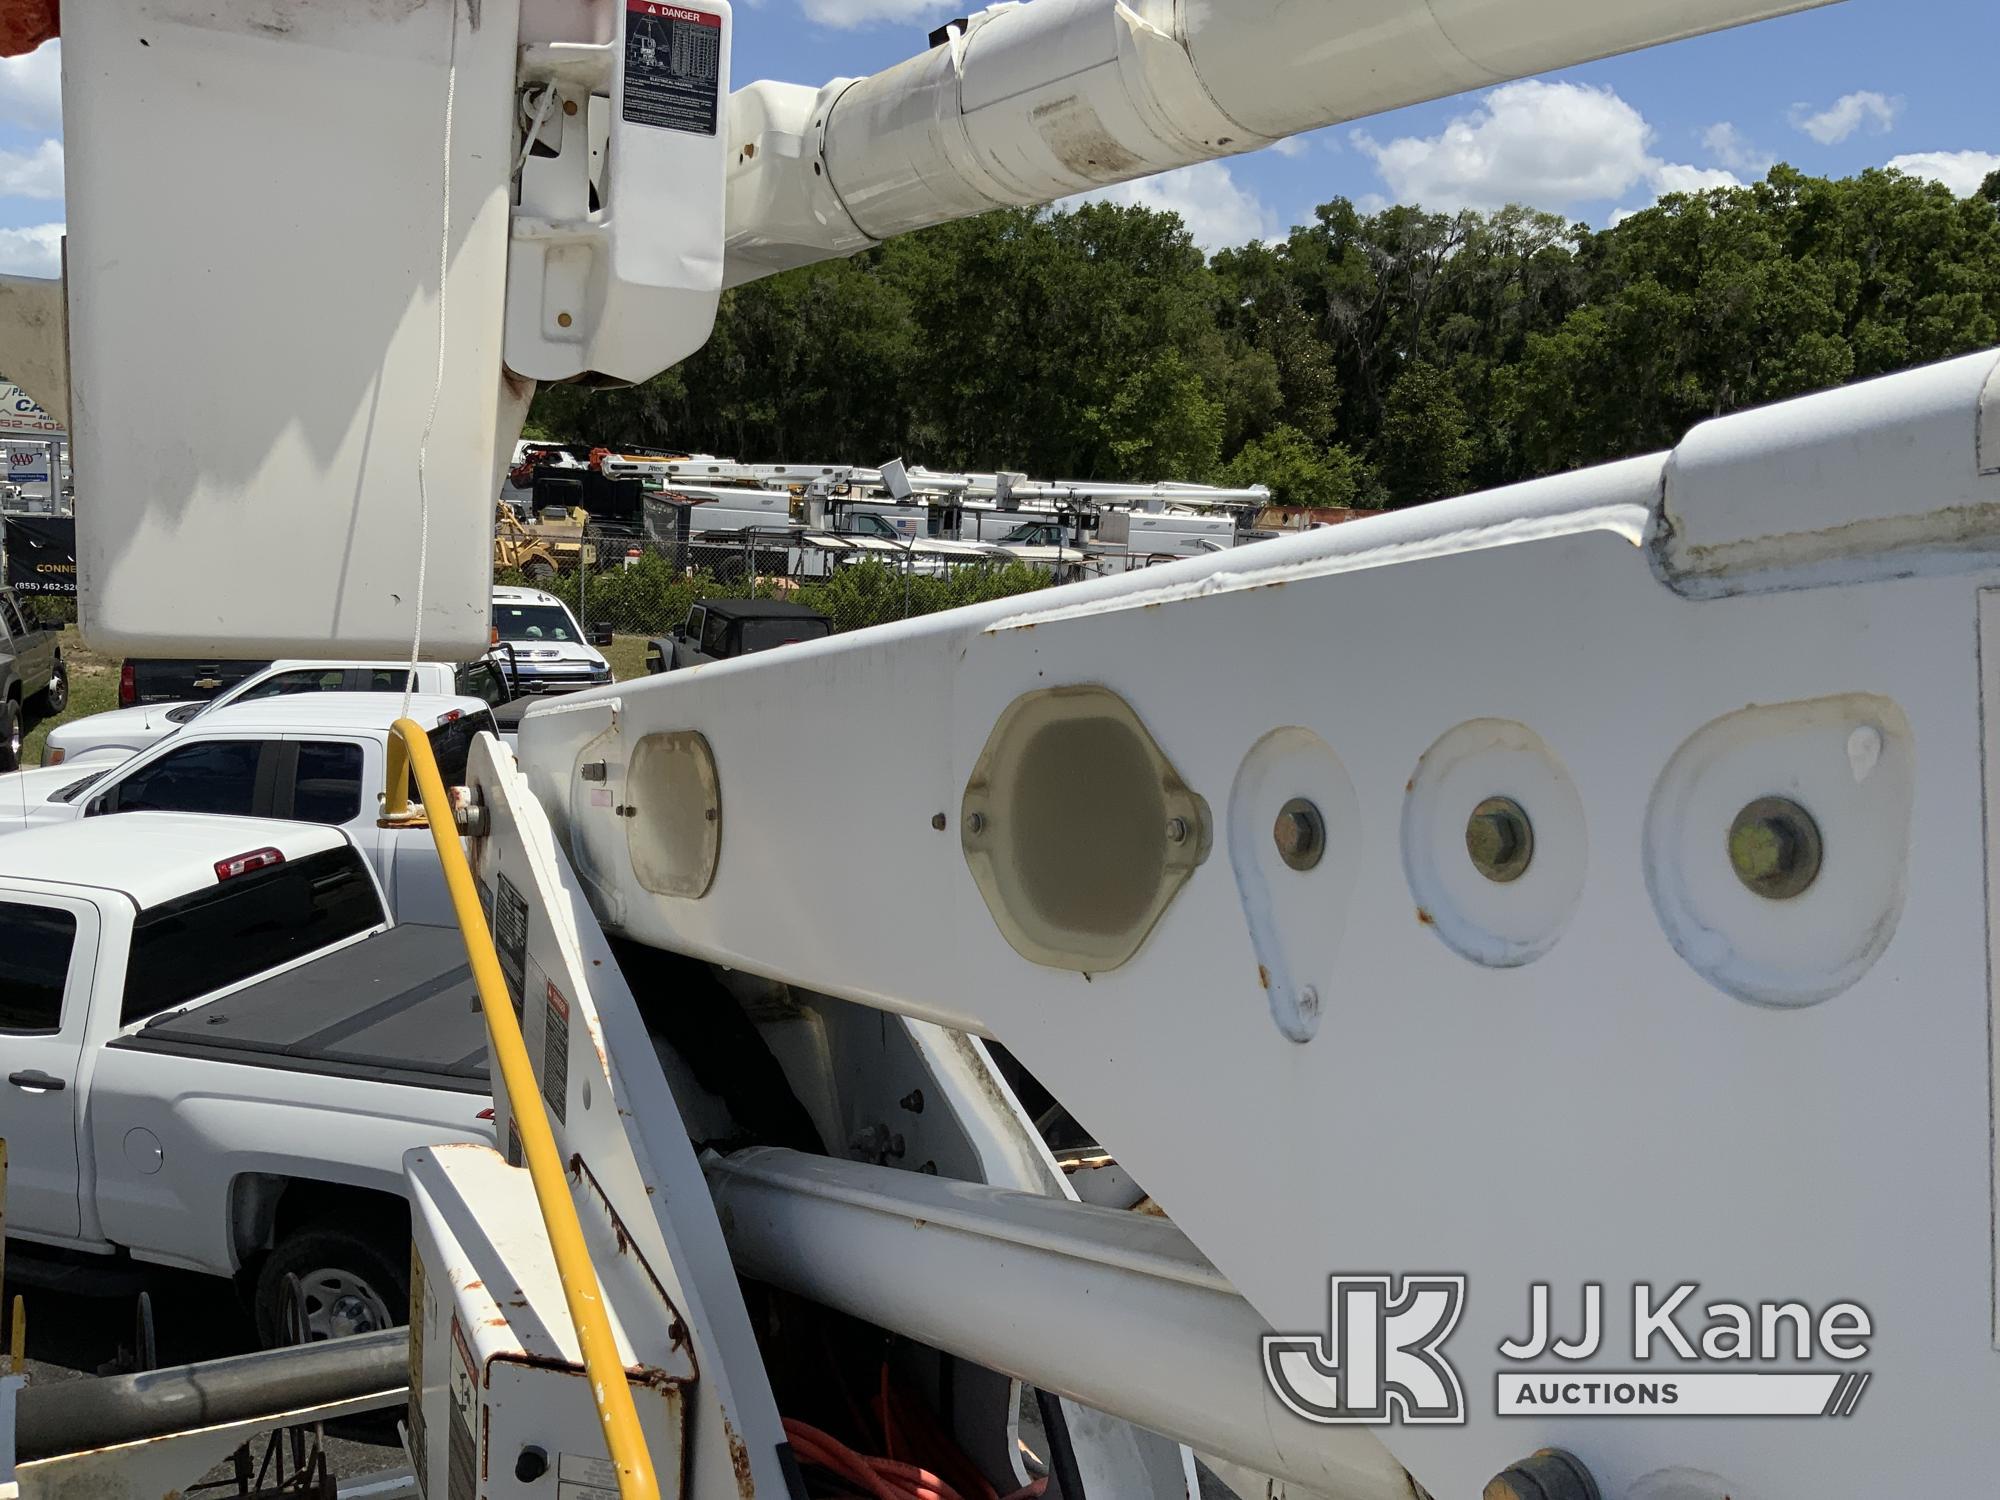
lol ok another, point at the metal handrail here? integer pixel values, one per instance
(410, 751)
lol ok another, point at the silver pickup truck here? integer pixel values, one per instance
(31, 670)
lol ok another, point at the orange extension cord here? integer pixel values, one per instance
(886, 1478)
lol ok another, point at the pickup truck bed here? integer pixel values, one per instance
(399, 1007)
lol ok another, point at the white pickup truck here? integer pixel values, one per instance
(216, 1055)
(315, 758)
(120, 732)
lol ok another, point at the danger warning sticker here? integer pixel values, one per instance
(673, 66)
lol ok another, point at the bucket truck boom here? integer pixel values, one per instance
(1612, 933)
(434, 205)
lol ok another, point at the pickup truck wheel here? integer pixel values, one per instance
(352, 1283)
(55, 697)
(13, 734)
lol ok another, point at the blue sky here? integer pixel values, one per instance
(1864, 83)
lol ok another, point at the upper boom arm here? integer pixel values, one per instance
(413, 213)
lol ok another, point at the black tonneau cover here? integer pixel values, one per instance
(399, 1007)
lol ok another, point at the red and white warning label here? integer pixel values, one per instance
(673, 66)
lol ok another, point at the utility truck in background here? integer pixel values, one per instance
(1611, 935)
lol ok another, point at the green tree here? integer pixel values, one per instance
(1424, 450)
(1300, 472)
(1443, 351)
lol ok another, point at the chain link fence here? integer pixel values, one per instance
(642, 587)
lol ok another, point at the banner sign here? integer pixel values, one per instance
(20, 416)
(41, 554)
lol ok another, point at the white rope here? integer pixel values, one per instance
(437, 381)
(544, 96)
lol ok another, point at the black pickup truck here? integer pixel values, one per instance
(31, 671)
(161, 680)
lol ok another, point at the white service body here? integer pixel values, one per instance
(500, 1402)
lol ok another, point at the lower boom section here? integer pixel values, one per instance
(1580, 887)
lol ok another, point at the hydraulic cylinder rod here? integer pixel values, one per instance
(1114, 1310)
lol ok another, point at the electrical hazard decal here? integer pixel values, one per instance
(673, 66)
(555, 1055)
(510, 938)
(462, 1457)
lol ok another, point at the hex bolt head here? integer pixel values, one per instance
(1774, 848)
(1500, 839)
(1547, 1474)
(1300, 834)
(975, 823)
(1177, 830)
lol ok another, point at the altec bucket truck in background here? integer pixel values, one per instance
(1554, 1035)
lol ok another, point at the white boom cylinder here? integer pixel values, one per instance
(1034, 103)
(1115, 1310)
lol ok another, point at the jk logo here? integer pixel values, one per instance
(1379, 1360)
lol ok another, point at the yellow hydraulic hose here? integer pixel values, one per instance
(410, 751)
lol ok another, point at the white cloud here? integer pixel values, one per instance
(1961, 171)
(32, 252)
(1218, 210)
(1727, 144)
(1292, 146)
(1847, 114)
(32, 174)
(31, 88)
(1672, 177)
(1547, 145)
(848, 14)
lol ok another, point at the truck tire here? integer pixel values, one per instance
(353, 1280)
(538, 571)
(55, 697)
(13, 732)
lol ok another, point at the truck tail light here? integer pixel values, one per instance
(243, 864)
(128, 687)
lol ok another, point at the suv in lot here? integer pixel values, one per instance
(31, 670)
(717, 629)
